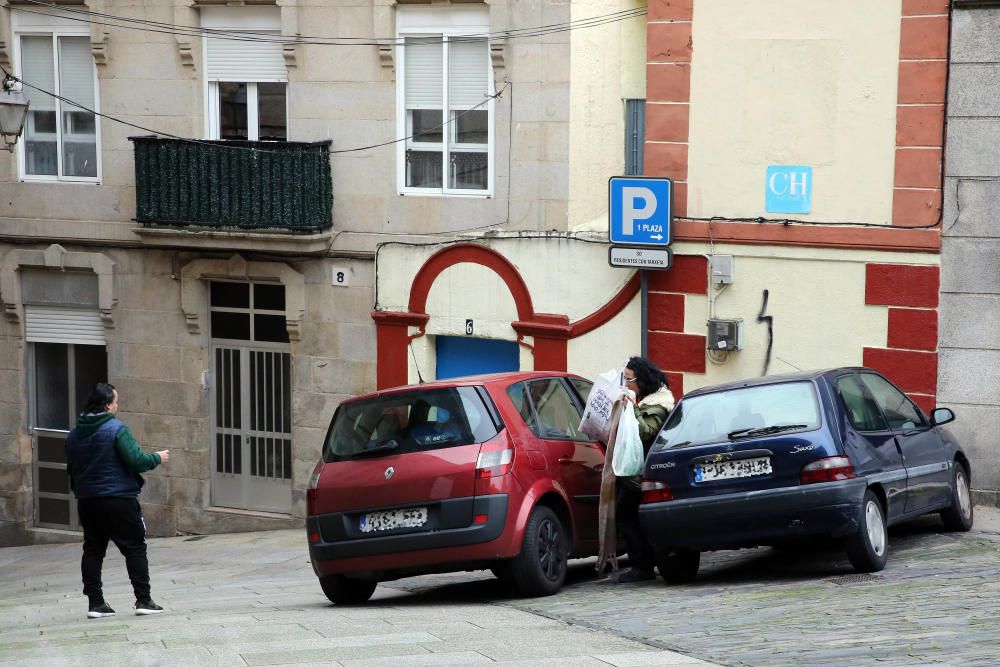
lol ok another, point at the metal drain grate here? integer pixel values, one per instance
(856, 579)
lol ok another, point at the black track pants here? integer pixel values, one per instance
(120, 521)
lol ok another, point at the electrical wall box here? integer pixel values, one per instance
(722, 269)
(725, 334)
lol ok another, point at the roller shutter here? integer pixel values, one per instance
(62, 324)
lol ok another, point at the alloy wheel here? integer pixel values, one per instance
(549, 549)
(876, 527)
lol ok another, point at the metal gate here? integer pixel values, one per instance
(252, 427)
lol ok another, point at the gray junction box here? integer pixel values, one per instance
(725, 334)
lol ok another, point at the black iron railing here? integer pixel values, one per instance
(226, 185)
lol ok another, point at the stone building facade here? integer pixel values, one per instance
(226, 285)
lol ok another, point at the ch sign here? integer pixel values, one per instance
(788, 189)
(639, 210)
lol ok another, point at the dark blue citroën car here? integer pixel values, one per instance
(839, 453)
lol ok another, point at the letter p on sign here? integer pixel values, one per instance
(632, 211)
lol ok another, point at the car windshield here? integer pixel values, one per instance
(407, 422)
(741, 413)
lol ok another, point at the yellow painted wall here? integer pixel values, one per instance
(796, 83)
(607, 65)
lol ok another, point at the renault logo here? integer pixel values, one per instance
(389, 472)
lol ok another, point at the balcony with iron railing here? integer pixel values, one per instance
(233, 186)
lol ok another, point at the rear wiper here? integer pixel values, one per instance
(377, 449)
(766, 430)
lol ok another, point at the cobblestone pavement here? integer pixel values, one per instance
(937, 602)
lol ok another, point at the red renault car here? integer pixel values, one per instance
(487, 472)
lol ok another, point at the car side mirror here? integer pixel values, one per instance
(942, 416)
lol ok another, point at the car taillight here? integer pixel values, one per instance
(494, 460)
(655, 492)
(311, 486)
(827, 470)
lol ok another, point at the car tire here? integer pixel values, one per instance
(341, 590)
(540, 568)
(958, 517)
(501, 570)
(679, 567)
(868, 549)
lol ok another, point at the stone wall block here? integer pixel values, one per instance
(974, 36)
(969, 376)
(357, 341)
(332, 376)
(315, 410)
(200, 522)
(161, 520)
(153, 362)
(965, 155)
(974, 319)
(187, 492)
(971, 421)
(971, 208)
(307, 446)
(187, 462)
(974, 90)
(156, 490)
(161, 398)
(971, 266)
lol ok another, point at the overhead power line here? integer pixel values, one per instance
(113, 20)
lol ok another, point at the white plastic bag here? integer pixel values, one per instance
(628, 456)
(596, 420)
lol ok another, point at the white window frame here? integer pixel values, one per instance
(256, 20)
(52, 26)
(440, 22)
(213, 129)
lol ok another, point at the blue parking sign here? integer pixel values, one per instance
(639, 210)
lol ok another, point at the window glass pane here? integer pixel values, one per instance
(231, 325)
(557, 414)
(861, 409)
(426, 126)
(268, 297)
(272, 112)
(233, 110)
(423, 169)
(76, 82)
(583, 388)
(270, 328)
(52, 480)
(899, 411)
(471, 127)
(51, 386)
(38, 68)
(469, 171)
(51, 450)
(90, 366)
(231, 295)
(415, 421)
(54, 511)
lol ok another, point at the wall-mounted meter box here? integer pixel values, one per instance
(725, 334)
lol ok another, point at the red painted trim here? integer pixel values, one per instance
(688, 275)
(677, 351)
(666, 312)
(609, 310)
(912, 371)
(902, 285)
(474, 254)
(676, 383)
(912, 328)
(926, 402)
(825, 236)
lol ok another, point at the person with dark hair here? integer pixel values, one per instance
(104, 461)
(652, 403)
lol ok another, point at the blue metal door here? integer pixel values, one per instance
(458, 356)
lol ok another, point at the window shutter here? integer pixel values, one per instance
(635, 136)
(38, 69)
(61, 324)
(468, 73)
(423, 72)
(76, 70)
(244, 60)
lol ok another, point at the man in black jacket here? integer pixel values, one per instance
(104, 462)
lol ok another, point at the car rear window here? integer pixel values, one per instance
(409, 422)
(714, 417)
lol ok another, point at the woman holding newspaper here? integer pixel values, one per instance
(651, 403)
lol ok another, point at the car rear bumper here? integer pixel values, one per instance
(337, 550)
(756, 517)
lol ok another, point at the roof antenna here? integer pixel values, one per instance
(415, 364)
